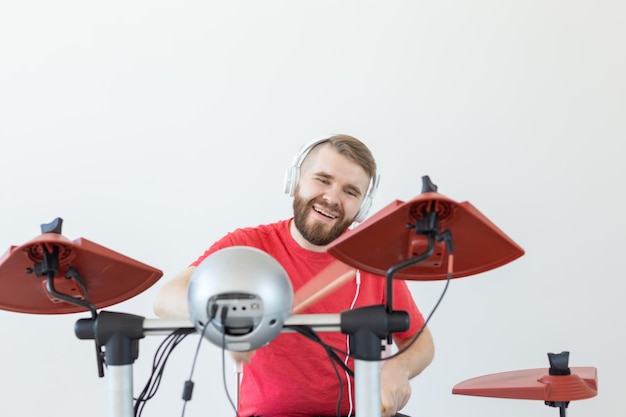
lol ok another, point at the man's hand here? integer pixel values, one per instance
(395, 389)
(243, 357)
(396, 372)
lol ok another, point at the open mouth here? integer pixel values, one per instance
(324, 212)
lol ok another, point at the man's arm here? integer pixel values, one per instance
(171, 301)
(396, 372)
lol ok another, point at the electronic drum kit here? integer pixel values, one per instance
(430, 237)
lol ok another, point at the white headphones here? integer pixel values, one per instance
(293, 174)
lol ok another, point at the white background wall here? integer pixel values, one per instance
(153, 127)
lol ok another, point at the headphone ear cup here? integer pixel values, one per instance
(291, 179)
(366, 205)
(365, 208)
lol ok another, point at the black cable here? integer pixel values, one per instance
(158, 366)
(339, 380)
(188, 387)
(157, 370)
(331, 351)
(235, 407)
(421, 330)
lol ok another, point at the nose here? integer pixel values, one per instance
(332, 195)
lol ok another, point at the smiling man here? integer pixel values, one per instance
(332, 181)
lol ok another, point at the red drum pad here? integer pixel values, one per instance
(109, 277)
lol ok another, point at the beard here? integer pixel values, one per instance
(317, 233)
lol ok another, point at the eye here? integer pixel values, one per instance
(352, 193)
(322, 180)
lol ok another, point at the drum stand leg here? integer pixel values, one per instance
(120, 334)
(367, 327)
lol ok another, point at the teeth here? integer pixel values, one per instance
(325, 213)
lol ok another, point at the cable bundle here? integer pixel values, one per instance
(158, 365)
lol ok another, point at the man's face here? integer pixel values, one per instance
(328, 196)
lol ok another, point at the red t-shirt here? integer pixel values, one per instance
(292, 375)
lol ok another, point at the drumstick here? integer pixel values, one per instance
(321, 285)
